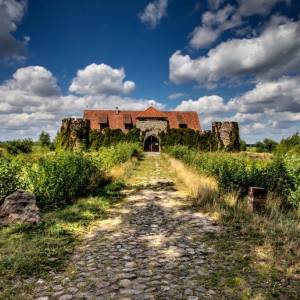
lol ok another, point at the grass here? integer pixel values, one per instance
(36, 250)
(201, 188)
(31, 252)
(257, 255)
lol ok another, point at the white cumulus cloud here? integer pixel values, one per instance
(205, 104)
(31, 100)
(154, 12)
(257, 7)
(101, 79)
(274, 53)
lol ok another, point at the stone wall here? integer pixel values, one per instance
(74, 133)
(227, 135)
(154, 125)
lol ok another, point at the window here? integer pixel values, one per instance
(128, 126)
(103, 125)
(182, 126)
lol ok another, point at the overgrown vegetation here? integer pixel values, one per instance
(237, 173)
(9, 178)
(291, 143)
(267, 145)
(110, 137)
(257, 255)
(36, 250)
(190, 138)
(57, 180)
(15, 147)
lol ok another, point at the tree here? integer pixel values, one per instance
(44, 139)
(288, 144)
(267, 145)
(243, 145)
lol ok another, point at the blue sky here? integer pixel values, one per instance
(228, 60)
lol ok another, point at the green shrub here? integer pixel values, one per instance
(19, 146)
(237, 173)
(288, 144)
(267, 145)
(56, 180)
(107, 157)
(9, 178)
(188, 137)
(292, 162)
(109, 137)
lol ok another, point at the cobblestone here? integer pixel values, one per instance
(148, 248)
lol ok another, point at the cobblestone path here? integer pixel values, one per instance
(148, 248)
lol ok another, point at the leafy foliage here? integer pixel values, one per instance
(9, 178)
(107, 157)
(267, 145)
(288, 144)
(292, 162)
(236, 173)
(18, 146)
(190, 138)
(243, 145)
(44, 139)
(109, 137)
(58, 179)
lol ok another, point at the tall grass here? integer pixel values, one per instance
(201, 188)
(279, 175)
(257, 254)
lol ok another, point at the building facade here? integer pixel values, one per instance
(151, 122)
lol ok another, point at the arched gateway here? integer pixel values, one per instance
(151, 144)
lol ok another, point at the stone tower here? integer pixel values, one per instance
(74, 133)
(227, 135)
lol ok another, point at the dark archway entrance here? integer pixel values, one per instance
(151, 144)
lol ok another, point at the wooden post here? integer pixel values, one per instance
(257, 197)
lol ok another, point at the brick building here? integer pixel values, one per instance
(151, 121)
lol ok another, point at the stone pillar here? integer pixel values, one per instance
(74, 133)
(257, 198)
(227, 135)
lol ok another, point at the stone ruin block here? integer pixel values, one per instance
(227, 135)
(19, 206)
(257, 198)
(74, 133)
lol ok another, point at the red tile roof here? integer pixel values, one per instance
(151, 112)
(117, 120)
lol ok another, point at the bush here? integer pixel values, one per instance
(107, 157)
(19, 146)
(292, 162)
(236, 173)
(9, 178)
(109, 137)
(57, 180)
(288, 144)
(267, 145)
(188, 137)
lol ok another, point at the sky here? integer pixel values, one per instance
(228, 60)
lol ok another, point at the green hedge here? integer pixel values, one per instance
(234, 172)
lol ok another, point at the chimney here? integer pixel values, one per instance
(117, 110)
